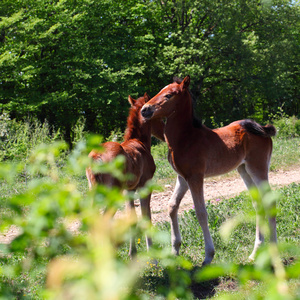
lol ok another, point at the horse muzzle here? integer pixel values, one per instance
(147, 112)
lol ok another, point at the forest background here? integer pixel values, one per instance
(66, 61)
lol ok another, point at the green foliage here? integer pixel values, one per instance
(116, 136)
(287, 127)
(44, 212)
(51, 258)
(18, 139)
(78, 133)
(64, 60)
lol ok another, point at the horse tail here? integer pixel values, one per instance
(255, 128)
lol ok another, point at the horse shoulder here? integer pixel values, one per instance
(140, 156)
(137, 163)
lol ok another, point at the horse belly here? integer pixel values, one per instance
(223, 163)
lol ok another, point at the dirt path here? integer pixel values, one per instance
(214, 188)
(217, 188)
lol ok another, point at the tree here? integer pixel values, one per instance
(241, 55)
(61, 60)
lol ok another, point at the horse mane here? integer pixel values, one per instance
(197, 122)
(133, 121)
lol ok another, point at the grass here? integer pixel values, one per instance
(155, 281)
(237, 248)
(286, 153)
(164, 173)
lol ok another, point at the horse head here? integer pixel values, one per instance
(166, 101)
(139, 127)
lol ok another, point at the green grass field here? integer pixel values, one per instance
(39, 207)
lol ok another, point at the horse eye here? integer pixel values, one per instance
(168, 96)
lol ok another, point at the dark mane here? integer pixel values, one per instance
(133, 121)
(177, 79)
(197, 122)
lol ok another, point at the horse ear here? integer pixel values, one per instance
(146, 97)
(131, 100)
(185, 82)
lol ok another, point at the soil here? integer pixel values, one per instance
(217, 188)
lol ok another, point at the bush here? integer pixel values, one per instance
(70, 264)
(286, 126)
(18, 139)
(78, 134)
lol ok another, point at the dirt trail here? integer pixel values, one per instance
(214, 188)
(217, 188)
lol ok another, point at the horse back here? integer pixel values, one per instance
(245, 141)
(218, 151)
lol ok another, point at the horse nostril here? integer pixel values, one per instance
(147, 112)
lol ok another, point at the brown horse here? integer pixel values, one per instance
(196, 152)
(138, 159)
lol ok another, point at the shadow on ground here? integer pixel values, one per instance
(161, 284)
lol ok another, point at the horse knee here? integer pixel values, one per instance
(172, 209)
(202, 216)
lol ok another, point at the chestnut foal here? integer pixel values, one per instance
(196, 152)
(138, 159)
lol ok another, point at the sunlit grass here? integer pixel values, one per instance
(286, 153)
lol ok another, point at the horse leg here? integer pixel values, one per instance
(146, 213)
(253, 179)
(259, 178)
(180, 189)
(196, 187)
(259, 238)
(131, 214)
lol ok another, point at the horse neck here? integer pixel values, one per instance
(136, 129)
(158, 129)
(180, 122)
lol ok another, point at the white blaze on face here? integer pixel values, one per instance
(164, 88)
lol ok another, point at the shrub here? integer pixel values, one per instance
(78, 134)
(18, 139)
(287, 126)
(80, 264)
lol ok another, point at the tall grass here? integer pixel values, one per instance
(285, 154)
